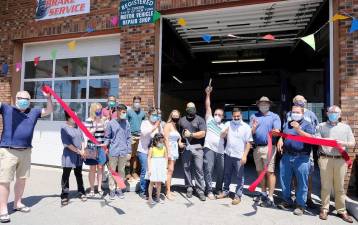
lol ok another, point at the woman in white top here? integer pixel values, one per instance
(172, 142)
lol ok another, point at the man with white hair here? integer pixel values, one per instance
(331, 163)
(15, 148)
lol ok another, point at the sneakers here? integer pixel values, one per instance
(299, 211)
(112, 195)
(91, 194)
(83, 197)
(202, 196)
(143, 196)
(236, 201)
(268, 203)
(284, 205)
(189, 192)
(222, 195)
(211, 196)
(120, 194)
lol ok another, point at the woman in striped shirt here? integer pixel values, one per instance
(95, 156)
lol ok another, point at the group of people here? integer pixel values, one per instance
(141, 146)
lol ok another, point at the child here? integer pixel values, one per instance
(157, 166)
(72, 158)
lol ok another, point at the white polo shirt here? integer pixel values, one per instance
(237, 138)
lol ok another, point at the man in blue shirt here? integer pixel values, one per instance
(295, 161)
(15, 148)
(135, 116)
(261, 124)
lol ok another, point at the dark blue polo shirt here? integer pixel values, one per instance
(266, 123)
(295, 146)
(18, 127)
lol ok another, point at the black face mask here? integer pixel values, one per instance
(191, 112)
(175, 120)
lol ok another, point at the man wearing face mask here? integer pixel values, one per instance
(109, 112)
(15, 148)
(213, 147)
(135, 117)
(295, 161)
(261, 124)
(333, 167)
(192, 127)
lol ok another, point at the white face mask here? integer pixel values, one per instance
(217, 119)
(136, 105)
(264, 108)
(296, 116)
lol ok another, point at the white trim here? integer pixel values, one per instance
(160, 62)
(331, 49)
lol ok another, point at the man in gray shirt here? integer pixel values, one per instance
(333, 167)
(118, 138)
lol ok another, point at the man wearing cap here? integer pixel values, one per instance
(261, 124)
(310, 117)
(15, 148)
(193, 129)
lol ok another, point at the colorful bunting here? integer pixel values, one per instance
(310, 40)
(71, 45)
(156, 16)
(339, 17)
(53, 54)
(182, 22)
(207, 37)
(5, 68)
(354, 26)
(18, 66)
(269, 37)
(114, 21)
(36, 60)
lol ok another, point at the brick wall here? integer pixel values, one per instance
(348, 70)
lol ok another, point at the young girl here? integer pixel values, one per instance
(72, 158)
(157, 166)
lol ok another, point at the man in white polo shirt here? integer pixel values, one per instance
(238, 145)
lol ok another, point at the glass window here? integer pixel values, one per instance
(71, 89)
(41, 105)
(104, 65)
(102, 88)
(78, 107)
(42, 70)
(35, 88)
(75, 67)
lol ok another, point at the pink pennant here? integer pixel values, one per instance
(18, 66)
(36, 60)
(114, 20)
(269, 37)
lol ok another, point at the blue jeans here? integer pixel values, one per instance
(299, 166)
(143, 160)
(232, 166)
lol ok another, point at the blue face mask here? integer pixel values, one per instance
(153, 118)
(98, 113)
(160, 145)
(333, 117)
(22, 104)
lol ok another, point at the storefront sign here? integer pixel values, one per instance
(50, 9)
(136, 12)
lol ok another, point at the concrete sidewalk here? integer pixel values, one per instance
(42, 194)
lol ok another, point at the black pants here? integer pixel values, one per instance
(65, 181)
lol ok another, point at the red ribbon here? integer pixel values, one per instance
(307, 140)
(79, 123)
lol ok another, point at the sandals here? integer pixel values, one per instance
(64, 201)
(83, 197)
(5, 218)
(101, 194)
(91, 194)
(23, 209)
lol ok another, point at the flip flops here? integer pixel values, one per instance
(23, 209)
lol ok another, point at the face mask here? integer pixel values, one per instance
(111, 104)
(98, 113)
(236, 122)
(123, 116)
(296, 116)
(333, 117)
(191, 112)
(22, 104)
(300, 103)
(153, 118)
(136, 105)
(160, 145)
(217, 119)
(264, 108)
(175, 120)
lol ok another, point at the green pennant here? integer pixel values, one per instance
(53, 54)
(156, 16)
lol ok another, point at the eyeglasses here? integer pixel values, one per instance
(20, 98)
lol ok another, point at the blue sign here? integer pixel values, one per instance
(136, 12)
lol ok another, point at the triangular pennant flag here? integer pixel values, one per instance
(36, 60)
(71, 45)
(5, 68)
(354, 26)
(53, 54)
(207, 37)
(182, 22)
(269, 37)
(339, 17)
(114, 20)
(18, 66)
(232, 36)
(156, 16)
(89, 29)
(309, 39)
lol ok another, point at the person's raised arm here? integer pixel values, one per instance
(208, 111)
(49, 108)
(300, 131)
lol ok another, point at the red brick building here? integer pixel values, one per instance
(144, 70)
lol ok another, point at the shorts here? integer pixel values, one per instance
(260, 158)
(14, 162)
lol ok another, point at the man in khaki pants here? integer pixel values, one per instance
(332, 166)
(15, 149)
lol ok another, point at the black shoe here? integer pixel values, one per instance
(310, 203)
(189, 192)
(284, 205)
(268, 203)
(143, 196)
(202, 196)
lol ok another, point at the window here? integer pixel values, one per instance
(78, 81)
